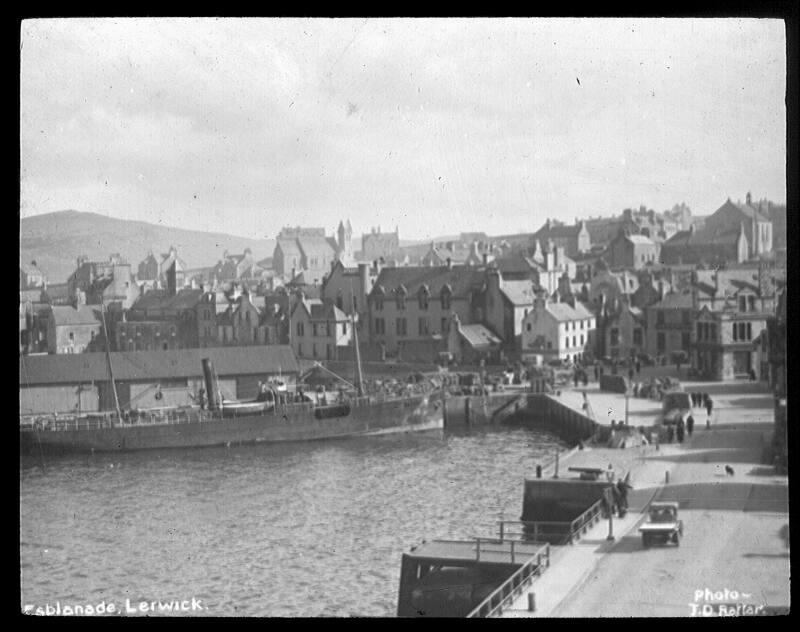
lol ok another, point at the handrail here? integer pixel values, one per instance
(513, 586)
(573, 528)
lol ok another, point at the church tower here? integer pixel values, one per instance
(344, 235)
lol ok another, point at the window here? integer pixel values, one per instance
(749, 331)
(401, 327)
(339, 302)
(300, 329)
(423, 298)
(614, 337)
(314, 350)
(582, 340)
(314, 329)
(637, 337)
(751, 303)
(355, 304)
(712, 332)
(445, 322)
(574, 341)
(423, 327)
(446, 298)
(742, 303)
(686, 342)
(344, 329)
(686, 316)
(378, 303)
(328, 329)
(661, 342)
(660, 317)
(549, 344)
(71, 337)
(299, 349)
(700, 331)
(380, 326)
(528, 326)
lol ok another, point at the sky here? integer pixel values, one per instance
(432, 126)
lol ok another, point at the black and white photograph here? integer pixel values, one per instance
(390, 317)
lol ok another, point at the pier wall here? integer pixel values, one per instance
(559, 499)
(475, 410)
(547, 412)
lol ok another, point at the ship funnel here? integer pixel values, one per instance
(211, 384)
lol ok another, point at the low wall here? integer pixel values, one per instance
(545, 411)
(469, 410)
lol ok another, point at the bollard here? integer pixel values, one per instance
(531, 602)
(667, 477)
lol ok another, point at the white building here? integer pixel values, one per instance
(319, 329)
(557, 331)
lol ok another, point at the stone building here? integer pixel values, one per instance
(557, 331)
(376, 245)
(574, 239)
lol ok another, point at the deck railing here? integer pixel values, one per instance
(71, 421)
(565, 532)
(512, 588)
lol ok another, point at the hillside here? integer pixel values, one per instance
(56, 240)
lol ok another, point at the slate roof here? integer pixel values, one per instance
(154, 365)
(479, 336)
(561, 230)
(316, 246)
(640, 240)
(289, 248)
(461, 279)
(83, 315)
(518, 292)
(563, 312)
(703, 237)
(674, 300)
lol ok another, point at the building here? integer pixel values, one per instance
(710, 245)
(629, 251)
(31, 276)
(349, 287)
(311, 252)
(623, 330)
(169, 320)
(146, 379)
(575, 239)
(670, 323)
(242, 323)
(755, 221)
(413, 306)
(557, 331)
(106, 283)
(472, 344)
(732, 308)
(376, 245)
(74, 329)
(319, 329)
(507, 304)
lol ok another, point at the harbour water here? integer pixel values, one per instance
(314, 529)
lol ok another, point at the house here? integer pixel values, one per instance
(557, 331)
(349, 287)
(319, 329)
(413, 306)
(757, 225)
(104, 282)
(310, 251)
(629, 251)
(377, 245)
(168, 320)
(31, 276)
(623, 330)
(146, 379)
(472, 344)
(241, 323)
(574, 239)
(732, 308)
(670, 323)
(74, 329)
(507, 303)
(714, 245)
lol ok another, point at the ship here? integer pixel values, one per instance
(276, 415)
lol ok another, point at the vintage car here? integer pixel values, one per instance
(675, 405)
(662, 526)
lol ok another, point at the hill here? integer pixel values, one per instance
(56, 240)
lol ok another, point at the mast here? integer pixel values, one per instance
(359, 376)
(110, 368)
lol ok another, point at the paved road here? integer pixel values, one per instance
(736, 528)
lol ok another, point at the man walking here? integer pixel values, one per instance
(709, 409)
(689, 425)
(679, 431)
(638, 367)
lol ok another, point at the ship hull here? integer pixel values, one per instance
(285, 424)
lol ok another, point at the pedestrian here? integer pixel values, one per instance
(690, 425)
(630, 374)
(679, 431)
(638, 367)
(709, 406)
(670, 433)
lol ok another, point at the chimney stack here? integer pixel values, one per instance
(449, 263)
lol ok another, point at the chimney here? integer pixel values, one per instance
(749, 199)
(540, 300)
(171, 280)
(363, 277)
(449, 263)
(80, 298)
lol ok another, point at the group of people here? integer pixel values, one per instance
(703, 399)
(680, 429)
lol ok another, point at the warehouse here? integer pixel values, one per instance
(146, 379)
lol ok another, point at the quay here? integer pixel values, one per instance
(736, 525)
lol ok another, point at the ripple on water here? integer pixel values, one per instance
(296, 530)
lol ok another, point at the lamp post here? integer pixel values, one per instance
(610, 501)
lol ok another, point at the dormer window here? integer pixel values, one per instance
(400, 297)
(446, 297)
(424, 295)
